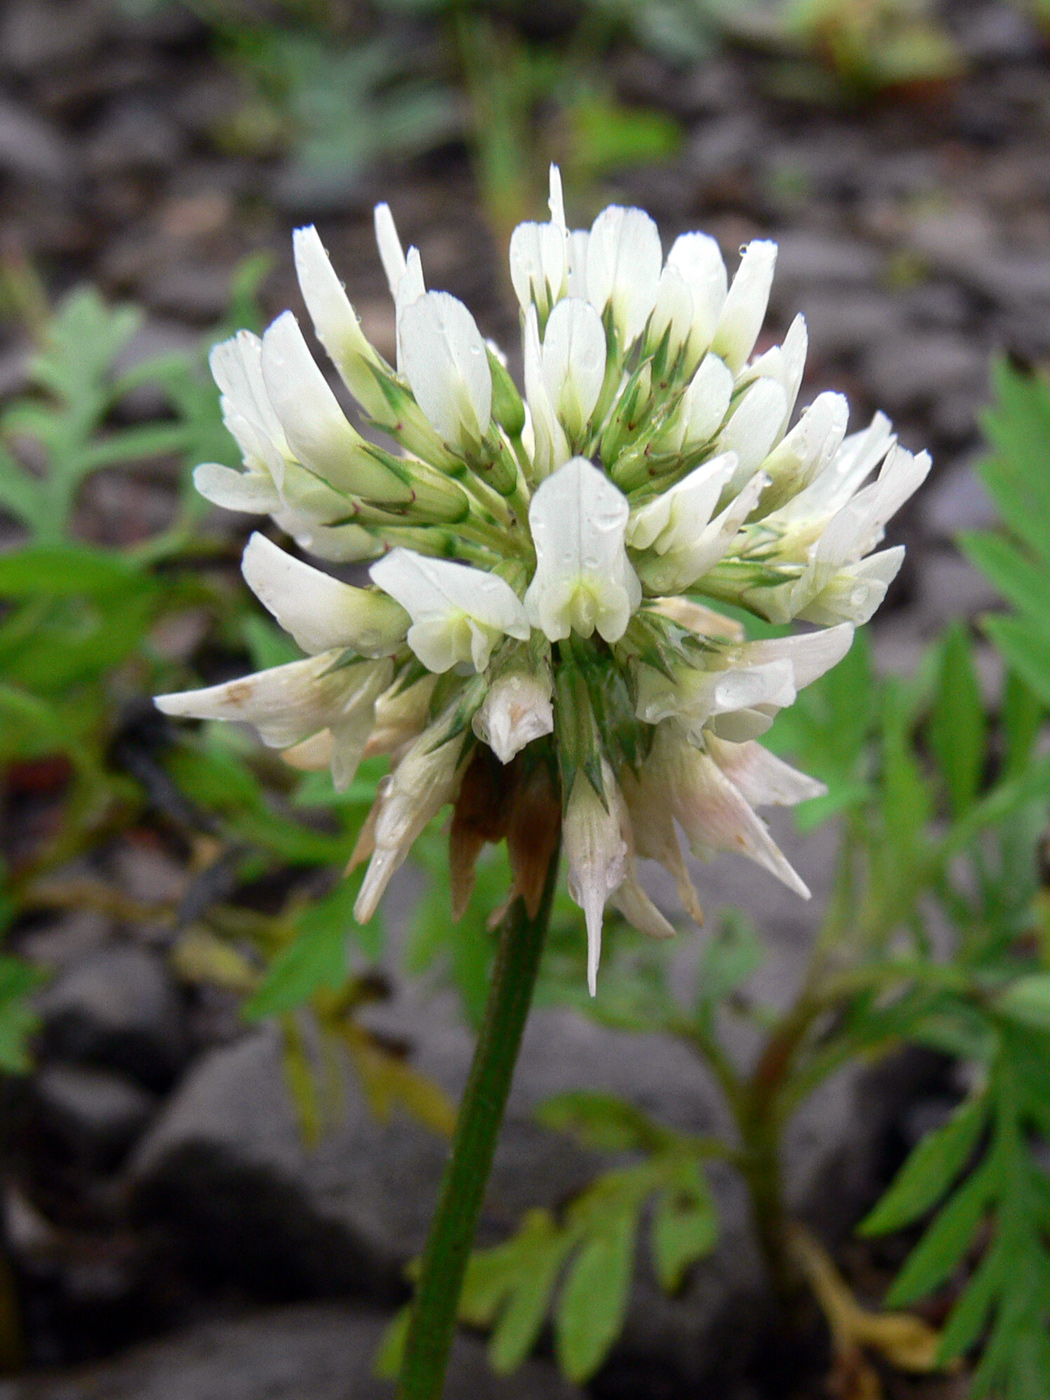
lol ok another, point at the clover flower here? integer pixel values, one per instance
(539, 644)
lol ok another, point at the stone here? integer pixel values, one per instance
(39, 34)
(956, 499)
(117, 1007)
(155, 339)
(93, 1115)
(225, 1171)
(950, 588)
(845, 319)
(189, 290)
(913, 370)
(134, 135)
(804, 257)
(317, 1352)
(31, 148)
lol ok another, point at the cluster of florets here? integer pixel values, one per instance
(539, 645)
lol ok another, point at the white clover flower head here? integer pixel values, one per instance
(540, 643)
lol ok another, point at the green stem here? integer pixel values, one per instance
(466, 1176)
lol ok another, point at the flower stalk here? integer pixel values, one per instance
(514, 972)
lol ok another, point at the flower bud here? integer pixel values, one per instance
(516, 710)
(597, 854)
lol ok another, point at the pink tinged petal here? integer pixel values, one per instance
(286, 704)
(336, 323)
(458, 613)
(583, 580)
(516, 710)
(446, 365)
(319, 611)
(550, 448)
(762, 779)
(623, 268)
(391, 254)
(652, 824)
(639, 910)
(753, 428)
(745, 305)
(596, 854)
(697, 259)
(573, 359)
(316, 427)
(251, 492)
(427, 777)
(716, 817)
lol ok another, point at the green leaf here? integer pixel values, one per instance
(603, 1122)
(1026, 650)
(1027, 1001)
(958, 728)
(387, 1363)
(18, 1019)
(315, 959)
(540, 1253)
(970, 1314)
(1022, 717)
(685, 1227)
(930, 1170)
(1018, 575)
(63, 570)
(733, 955)
(593, 1301)
(944, 1244)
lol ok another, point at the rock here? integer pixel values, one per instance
(319, 1352)
(155, 339)
(31, 147)
(909, 371)
(40, 34)
(189, 290)
(804, 258)
(117, 1008)
(957, 499)
(949, 589)
(134, 135)
(843, 320)
(93, 1115)
(225, 1170)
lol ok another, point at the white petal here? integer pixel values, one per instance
(236, 366)
(252, 492)
(859, 454)
(458, 613)
(810, 654)
(390, 251)
(516, 710)
(576, 263)
(853, 594)
(859, 526)
(696, 697)
(639, 910)
(336, 323)
(697, 259)
(673, 312)
(550, 448)
(762, 779)
(753, 428)
(596, 854)
(341, 544)
(583, 578)
(410, 288)
(682, 565)
(556, 202)
(446, 364)
(652, 825)
(319, 611)
(623, 268)
(745, 305)
(705, 402)
(538, 264)
(574, 353)
(675, 518)
(316, 427)
(807, 449)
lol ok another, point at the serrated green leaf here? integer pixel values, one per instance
(945, 1243)
(592, 1304)
(970, 1315)
(930, 1170)
(1018, 576)
(685, 1227)
(603, 1122)
(958, 727)
(1026, 651)
(542, 1249)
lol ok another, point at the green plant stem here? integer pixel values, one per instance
(466, 1176)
